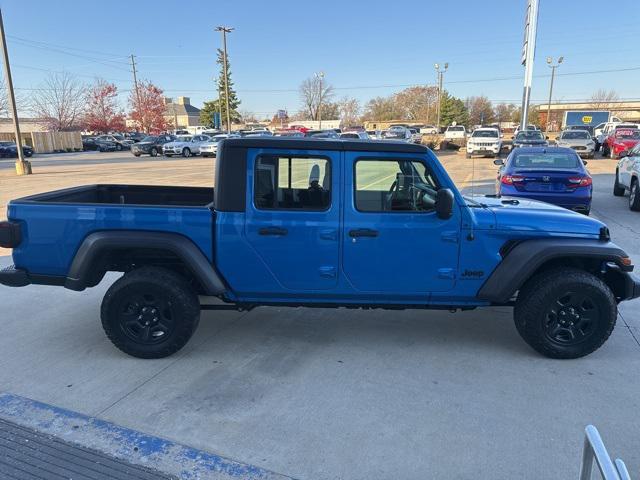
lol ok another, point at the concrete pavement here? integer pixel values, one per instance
(329, 394)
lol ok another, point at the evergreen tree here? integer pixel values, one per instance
(234, 103)
(453, 110)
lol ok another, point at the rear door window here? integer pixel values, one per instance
(292, 183)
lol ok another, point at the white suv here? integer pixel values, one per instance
(628, 177)
(484, 141)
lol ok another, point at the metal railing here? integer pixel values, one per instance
(594, 449)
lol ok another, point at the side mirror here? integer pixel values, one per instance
(512, 137)
(498, 161)
(546, 137)
(557, 138)
(584, 162)
(444, 203)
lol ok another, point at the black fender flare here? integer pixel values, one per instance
(522, 261)
(96, 244)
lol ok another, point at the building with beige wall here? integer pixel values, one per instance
(181, 113)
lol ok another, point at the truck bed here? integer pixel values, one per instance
(55, 223)
(126, 195)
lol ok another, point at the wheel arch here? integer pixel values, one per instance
(126, 250)
(531, 257)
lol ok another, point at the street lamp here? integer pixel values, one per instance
(320, 76)
(224, 31)
(553, 75)
(440, 74)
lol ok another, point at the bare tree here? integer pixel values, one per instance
(349, 109)
(480, 110)
(248, 117)
(4, 100)
(314, 91)
(380, 109)
(59, 102)
(603, 99)
(417, 103)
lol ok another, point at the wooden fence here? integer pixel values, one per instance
(48, 142)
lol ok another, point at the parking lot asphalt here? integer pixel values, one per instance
(329, 394)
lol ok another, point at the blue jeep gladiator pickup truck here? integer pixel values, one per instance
(320, 223)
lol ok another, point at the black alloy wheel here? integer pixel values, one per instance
(572, 318)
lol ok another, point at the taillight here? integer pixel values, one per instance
(580, 181)
(511, 179)
(10, 234)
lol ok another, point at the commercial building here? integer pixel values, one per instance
(181, 113)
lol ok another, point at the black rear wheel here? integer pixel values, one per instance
(634, 195)
(618, 190)
(565, 313)
(150, 312)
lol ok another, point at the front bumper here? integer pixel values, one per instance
(483, 149)
(632, 286)
(172, 151)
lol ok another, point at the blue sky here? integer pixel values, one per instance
(366, 49)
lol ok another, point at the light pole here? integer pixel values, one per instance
(23, 167)
(320, 76)
(553, 75)
(224, 31)
(440, 74)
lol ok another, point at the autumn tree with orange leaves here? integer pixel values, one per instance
(103, 114)
(148, 108)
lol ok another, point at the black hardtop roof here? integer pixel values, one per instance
(307, 143)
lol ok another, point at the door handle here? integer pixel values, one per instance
(277, 231)
(363, 232)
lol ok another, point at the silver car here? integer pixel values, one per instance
(580, 140)
(185, 145)
(210, 148)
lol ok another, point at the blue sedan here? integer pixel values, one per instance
(550, 174)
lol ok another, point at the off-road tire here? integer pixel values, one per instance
(545, 291)
(618, 190)
(172, 300)
(634, 195)
(153, 152)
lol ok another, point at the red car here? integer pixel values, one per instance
(620, 140)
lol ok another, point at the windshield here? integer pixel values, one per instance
(575, 134)
(543, 161)
(485, 134)
(529, 135)
(394, 134)
(628, 133)
(184, 138)
(149, 139)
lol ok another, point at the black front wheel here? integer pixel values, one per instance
(150, 312)
(154, 152)
(565, 313)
